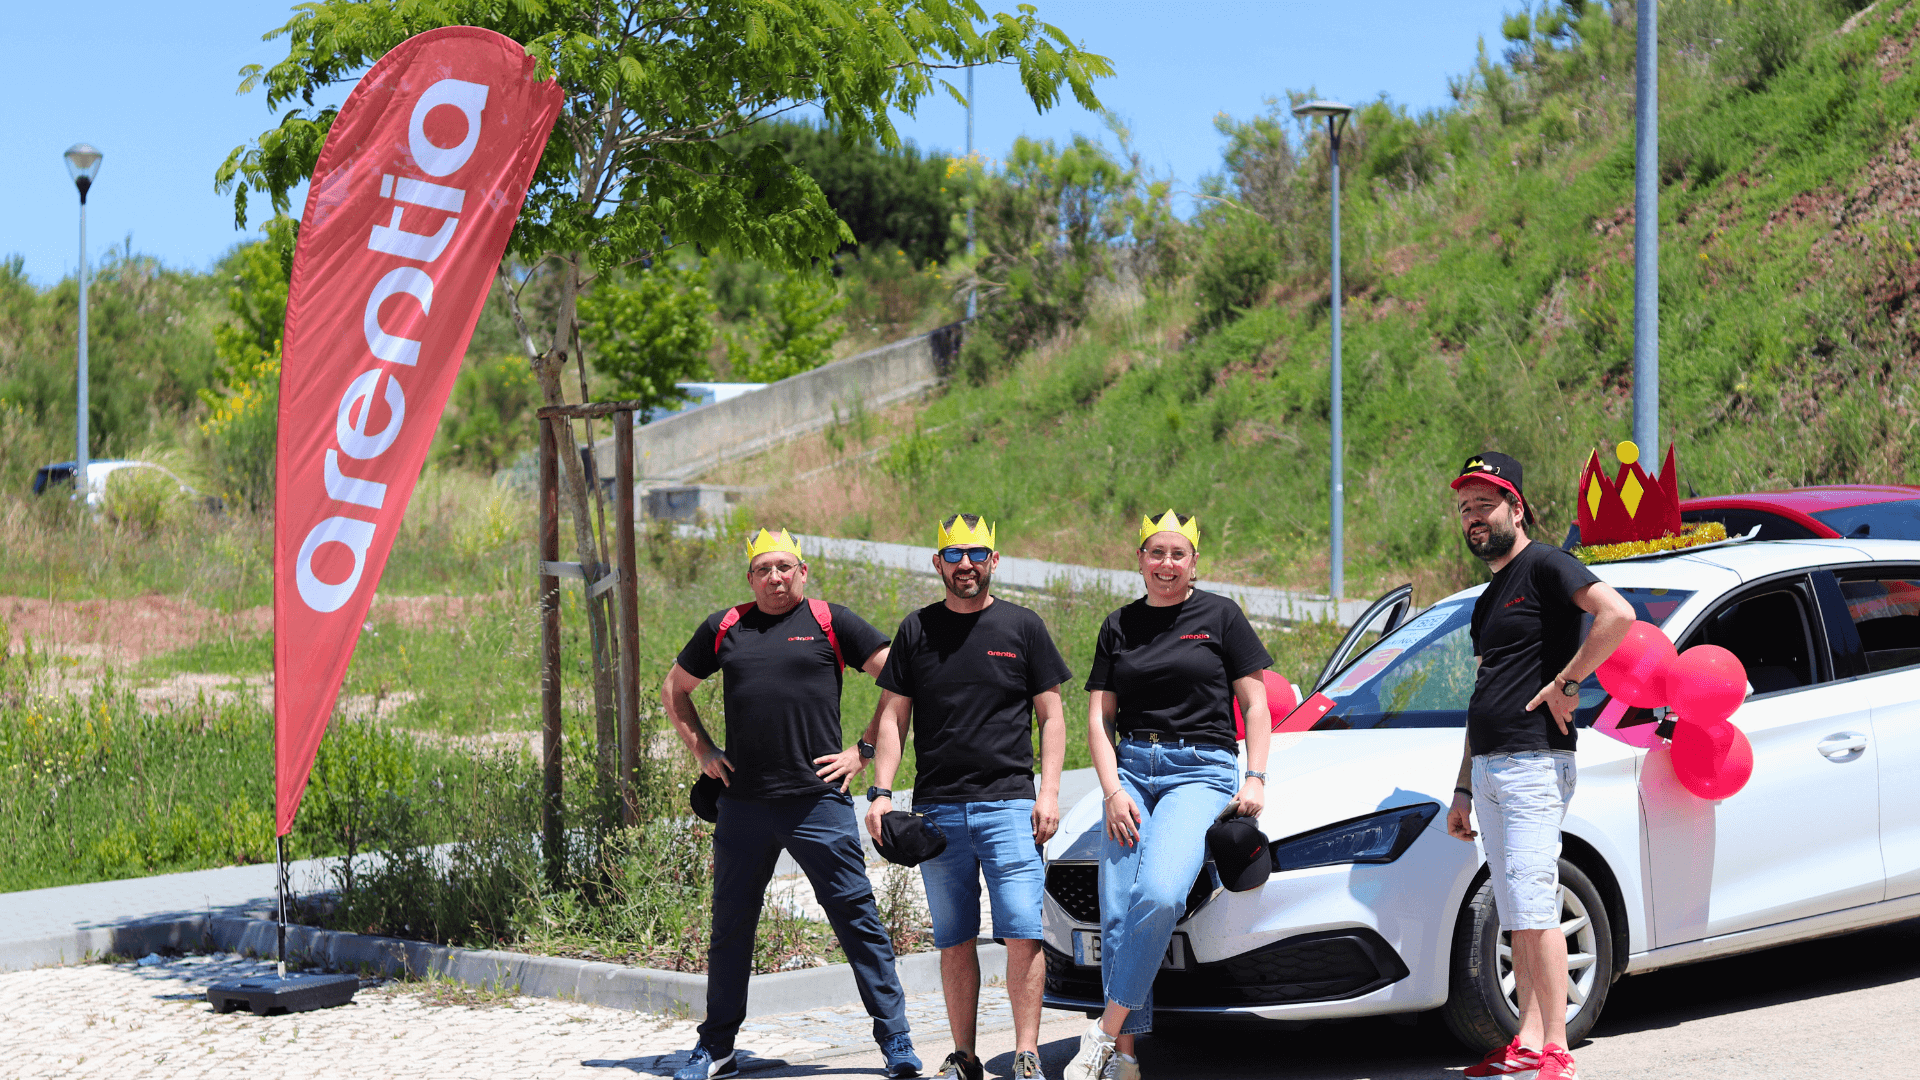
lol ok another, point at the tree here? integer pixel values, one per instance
(639, 161)
(651, 333)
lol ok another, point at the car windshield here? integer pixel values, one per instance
(1897, 520)
(1422, 674)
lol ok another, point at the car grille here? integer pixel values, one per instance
(1327, 966)
(1076, 887)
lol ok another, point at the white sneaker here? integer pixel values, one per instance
(1091, 1060)
(1119, 1068)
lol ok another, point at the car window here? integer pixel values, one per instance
(1422, 674)
(1740, 521)
(1886, 614)
(1771, 630)
(1896, 520)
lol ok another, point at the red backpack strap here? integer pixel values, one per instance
(823, 615)
(726, 623)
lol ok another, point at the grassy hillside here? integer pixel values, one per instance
(1489, 254)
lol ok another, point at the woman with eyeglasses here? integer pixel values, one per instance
(1166, 671)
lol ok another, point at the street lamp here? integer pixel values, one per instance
(83, 163)
(1336, 116)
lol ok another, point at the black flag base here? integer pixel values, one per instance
(271, 994)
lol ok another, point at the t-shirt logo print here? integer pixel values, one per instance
(1008, 655)
(808, 638)
(1196, 637)
(1515, 600)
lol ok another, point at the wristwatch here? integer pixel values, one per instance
(878, 793)
(1570, 687)
(866, 749)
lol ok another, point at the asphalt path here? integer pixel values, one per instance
(1844, 1006)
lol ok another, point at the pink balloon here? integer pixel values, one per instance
(1281, 700)
(1636, 672)
(1713, 761)
(1706, 684)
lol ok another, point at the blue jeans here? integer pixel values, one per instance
(1180, 788)
(994, 837)
(820, 833)
(1520, 800)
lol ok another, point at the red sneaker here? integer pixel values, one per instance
(1511, 1060)
(1556, 1064)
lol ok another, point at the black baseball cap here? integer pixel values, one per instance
(1239, 851)
(1499, 470)
(705, 798)
(909, 839)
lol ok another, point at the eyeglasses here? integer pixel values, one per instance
(976, 555)
(763, 572)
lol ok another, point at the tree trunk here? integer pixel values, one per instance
(546, 369)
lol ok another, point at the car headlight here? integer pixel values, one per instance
(1371, 838)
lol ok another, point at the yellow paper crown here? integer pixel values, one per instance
(767, 541)
(955, 532)
(1188, 527)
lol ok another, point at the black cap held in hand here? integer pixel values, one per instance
(705, 798)
(909, 839)
(1239, 851)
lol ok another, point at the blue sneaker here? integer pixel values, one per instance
(701, 1065)
(901, 1060)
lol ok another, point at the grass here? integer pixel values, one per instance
(1488, 305)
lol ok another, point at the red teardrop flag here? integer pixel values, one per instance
(409, 212)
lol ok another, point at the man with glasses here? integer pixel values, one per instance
(972, 673)
(785, 777)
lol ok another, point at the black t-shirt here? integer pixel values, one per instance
(1173, 667)
(973, 678)
(782, 693)
(1525, 629)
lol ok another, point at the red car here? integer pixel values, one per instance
(1854, 511)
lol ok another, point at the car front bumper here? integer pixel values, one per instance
(1321, 943)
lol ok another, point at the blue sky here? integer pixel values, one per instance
(152, 85)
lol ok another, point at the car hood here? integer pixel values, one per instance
(1316, 778)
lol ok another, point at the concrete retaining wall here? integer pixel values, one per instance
(684, 445)
(596, 983)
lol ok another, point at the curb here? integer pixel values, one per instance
(591, 982)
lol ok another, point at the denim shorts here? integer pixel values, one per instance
(994, 838)
(1521, 799)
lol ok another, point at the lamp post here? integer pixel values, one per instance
(973, 295)
(83, 163)
(1336, 116)
(1646, 231)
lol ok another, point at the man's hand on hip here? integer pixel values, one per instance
(842, 767)
(1558, 704)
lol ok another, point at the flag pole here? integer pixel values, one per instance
(280, 881)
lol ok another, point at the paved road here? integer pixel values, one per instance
(1842, 1007)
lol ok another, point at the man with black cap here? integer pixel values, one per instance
(972, 672)
(784, 775)
(1518, 769)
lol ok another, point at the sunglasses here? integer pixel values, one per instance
(976, 555)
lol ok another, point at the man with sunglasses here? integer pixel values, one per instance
(971, 673)
(781, 659)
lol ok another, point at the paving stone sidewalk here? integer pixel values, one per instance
(134, 1019)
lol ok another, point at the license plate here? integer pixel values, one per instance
(1086, 951)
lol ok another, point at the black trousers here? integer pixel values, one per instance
(821, 834)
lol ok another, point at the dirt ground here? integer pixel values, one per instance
(121, 632)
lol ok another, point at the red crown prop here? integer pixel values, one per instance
(1631, 506)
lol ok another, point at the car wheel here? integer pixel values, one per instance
(1482, 1008)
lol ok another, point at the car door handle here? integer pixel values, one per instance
(1843, 746)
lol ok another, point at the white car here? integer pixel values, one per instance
(1374, 909)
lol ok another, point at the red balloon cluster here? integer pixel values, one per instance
(1701, 688)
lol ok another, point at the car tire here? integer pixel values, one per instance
(1479, 1009)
